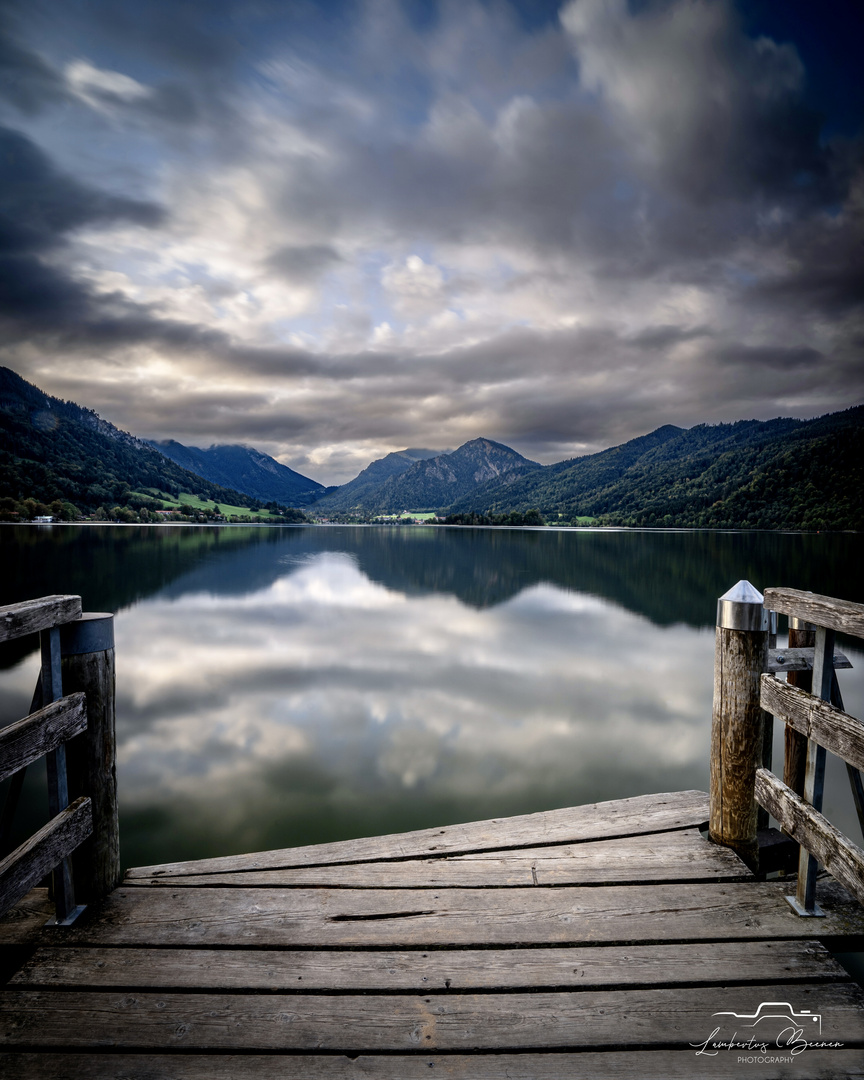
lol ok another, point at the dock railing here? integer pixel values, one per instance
(75, 733)
(746, 698)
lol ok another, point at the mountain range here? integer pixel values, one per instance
(56, 451)
(244, 469)
(365, 485)
(432, 482)
(777, 474)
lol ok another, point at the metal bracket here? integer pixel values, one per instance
(807, 913)
(70, 918)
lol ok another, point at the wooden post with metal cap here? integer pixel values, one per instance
(740, 657)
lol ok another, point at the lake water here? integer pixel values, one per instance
(289, 685)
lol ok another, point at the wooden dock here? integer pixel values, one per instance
(642, 939)
(593, 942)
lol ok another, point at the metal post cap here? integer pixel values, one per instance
(92, 632)
(741, 608)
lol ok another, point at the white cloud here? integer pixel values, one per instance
(103, 90)
(416, 287)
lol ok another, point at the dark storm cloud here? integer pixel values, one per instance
(172, 103)
(823, 272)
(44, 307)
(35, 295)
(540, 414)
(38, 207)
(722, 114)
(663, 336)
(26, 80)
(38, 204)
(198, 36)
(783, 359)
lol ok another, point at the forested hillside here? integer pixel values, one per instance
(66, 458)
(777, 474)
(243, 468)
(364, 486)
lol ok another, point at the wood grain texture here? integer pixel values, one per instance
(800, 660)
(408, 1022)
(92, 770)
(794, 743)
(684, 855)
(837, 1064)
(36, 857)
(312, 918)
(840, 857)
(620, 817)
(736, 738)
(816, 719)
(21, 924)
(16, 620)
(29, 739)
(820, 610)
(580, 967)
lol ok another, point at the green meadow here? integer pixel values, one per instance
(174, 502)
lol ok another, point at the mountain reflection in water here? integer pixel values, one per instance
(291, 685)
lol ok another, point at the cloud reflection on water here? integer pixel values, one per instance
(325, 705)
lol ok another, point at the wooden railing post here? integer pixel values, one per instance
(87, 646)
(802, 635)
(740, 657)
(804, 900)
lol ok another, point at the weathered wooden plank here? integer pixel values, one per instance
(612, 1019)
(834, 1064)
(29, 863)
(840, 857)
(16, 620)
(439, 969)
(322, 917)
(800, 660)
(21, 923)
(416, 873)
(819, 720)
(29, 739)
(684, 855)
(620, 817)
(820, 610)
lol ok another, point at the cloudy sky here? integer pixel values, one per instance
(334, 229)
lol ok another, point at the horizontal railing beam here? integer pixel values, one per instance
(819, 720)
(38, 734)
(800, 660)
(840, 857)
(16, 620)
(46, 849)
(841, 615)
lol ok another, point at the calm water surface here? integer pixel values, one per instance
(281, 686)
